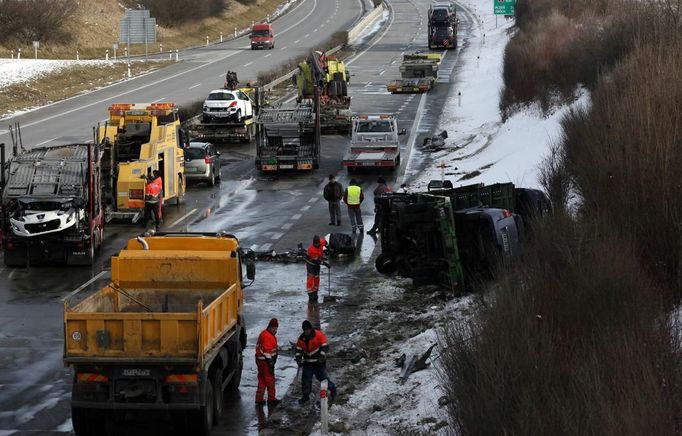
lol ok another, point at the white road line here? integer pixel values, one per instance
(156, 101)
(307, 35)
(304, 208)
(265, 247)
(246, 65)
(84, 285)
(313, 200)
(297, 41)
(267, 55)
(287, 226)
(179, 220)
(296, 217)
(382, 72)
(194, 86)
(276, 235)
(314, 30)
(45, 142)
(283, 48)
(413, 134)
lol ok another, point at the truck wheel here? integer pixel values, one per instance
(181, 193)
(219, 392)
(238, 117)
(236, 379)
(202, 420)
(88, 422)
(385, 264)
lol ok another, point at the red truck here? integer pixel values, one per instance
(262, 36)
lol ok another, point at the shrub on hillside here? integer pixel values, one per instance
(172, 13)
(35, 20)
(573, 343)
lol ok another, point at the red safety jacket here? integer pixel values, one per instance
(309, 350)
(266, 347)
(314, 258)
(152, 191)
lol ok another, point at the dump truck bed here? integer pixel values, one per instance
(163, 304)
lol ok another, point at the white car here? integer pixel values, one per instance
(224, 105)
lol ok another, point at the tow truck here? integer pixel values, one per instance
(137, 139)
(418, 72)
(374, 142)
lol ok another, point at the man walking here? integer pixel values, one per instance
(311, 353)
(381, 189)
(266, 357)
(152, 199)
(353, 197)
(314, 258)
(333, 193)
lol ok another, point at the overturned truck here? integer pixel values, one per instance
(454, 237)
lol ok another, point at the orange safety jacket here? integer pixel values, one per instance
(266, 347)
(314, 258)
(309, 350)
(152, 191)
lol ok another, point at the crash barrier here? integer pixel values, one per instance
(353, 33)
(365, 22)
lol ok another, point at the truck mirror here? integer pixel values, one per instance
(402, 131)
(250, 269)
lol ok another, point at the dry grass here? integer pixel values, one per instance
(63, 84)
(95, 29)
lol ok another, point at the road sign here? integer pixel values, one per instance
(504, 7)
(36, 44)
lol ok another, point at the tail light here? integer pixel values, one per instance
(182, 378)
(136, 194)
(207, 159)
(233, 104)
(91, 377)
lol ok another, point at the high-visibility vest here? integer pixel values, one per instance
(353, 197)
(152, 192)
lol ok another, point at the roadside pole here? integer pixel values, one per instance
(324, 406)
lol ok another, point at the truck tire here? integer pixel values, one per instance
(236, 379)
(218, 394)
(201, 421)
(181, 193)
(88, 422)
(238, 117)
(385, 264)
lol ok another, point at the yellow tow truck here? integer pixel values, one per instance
(139, 138)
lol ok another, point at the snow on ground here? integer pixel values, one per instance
(482, 149)
(14, 71)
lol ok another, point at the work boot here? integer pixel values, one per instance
(338, 223)
(331, 223)
(361, 228)
(274, 403)
(260, 403)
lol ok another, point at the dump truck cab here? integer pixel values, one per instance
(139, 139)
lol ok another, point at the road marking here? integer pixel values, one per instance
(267, 55)
(246, 65)
(265, 247)
(283, 48)
(276, 235)
(304, 208)
(84, 285)
(287, 226)
(45, 142)
(296, 217)
(156, 101)
(382, 72)
(307, 35)
(390, 23)
(194, 86)
(314, 30)
(313, 200)
(220, 75)
(179, 220)
(413, 134)
(297, 41)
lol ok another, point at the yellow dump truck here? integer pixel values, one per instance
(166, 334)
(138, 139)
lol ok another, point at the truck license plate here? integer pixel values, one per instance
(286, 167)
(136, 372)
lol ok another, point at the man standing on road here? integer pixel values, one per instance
(266, 357)
(333, 193)
(152, 199)
(353, 198)
(311, 353)
(314, 259)
(381, 189)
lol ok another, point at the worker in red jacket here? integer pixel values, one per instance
(266, 357)
(311, 353)
(314, 259)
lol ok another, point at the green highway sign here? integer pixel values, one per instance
(504, 7)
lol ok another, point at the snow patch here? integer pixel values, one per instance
(13, 71)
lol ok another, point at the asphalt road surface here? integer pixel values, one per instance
(264, 211)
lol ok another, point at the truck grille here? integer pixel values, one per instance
(42, 227)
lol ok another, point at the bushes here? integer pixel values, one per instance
(35, 20)
(172, 13)
(574, 343)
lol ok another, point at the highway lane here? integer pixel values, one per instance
(308, 24)
(264, 211)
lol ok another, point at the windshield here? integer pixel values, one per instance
(374, 127)
(195, 153)
(263, 32)
(220, 96)
(440, 13)
(442, 32)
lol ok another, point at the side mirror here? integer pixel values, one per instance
(250, 269)
(402, 131)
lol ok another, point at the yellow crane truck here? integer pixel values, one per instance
(138, 139)
(167, 334)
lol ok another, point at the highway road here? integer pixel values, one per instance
(264, 211)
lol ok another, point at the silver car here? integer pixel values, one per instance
(202, 163)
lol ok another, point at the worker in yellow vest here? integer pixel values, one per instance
(353, 197)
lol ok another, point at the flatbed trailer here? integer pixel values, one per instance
(418, 72)
(221, 132)
(374, 143)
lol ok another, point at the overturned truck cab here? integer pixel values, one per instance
(454, 237)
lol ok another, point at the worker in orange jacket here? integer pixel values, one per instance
(311, 354)
(152, 199)
(313, 261)
(266, 357)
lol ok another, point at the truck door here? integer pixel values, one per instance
(170, 179)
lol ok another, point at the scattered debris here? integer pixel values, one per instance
(421, 362)
(443, 401)
(435, 143)
(407, 369)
